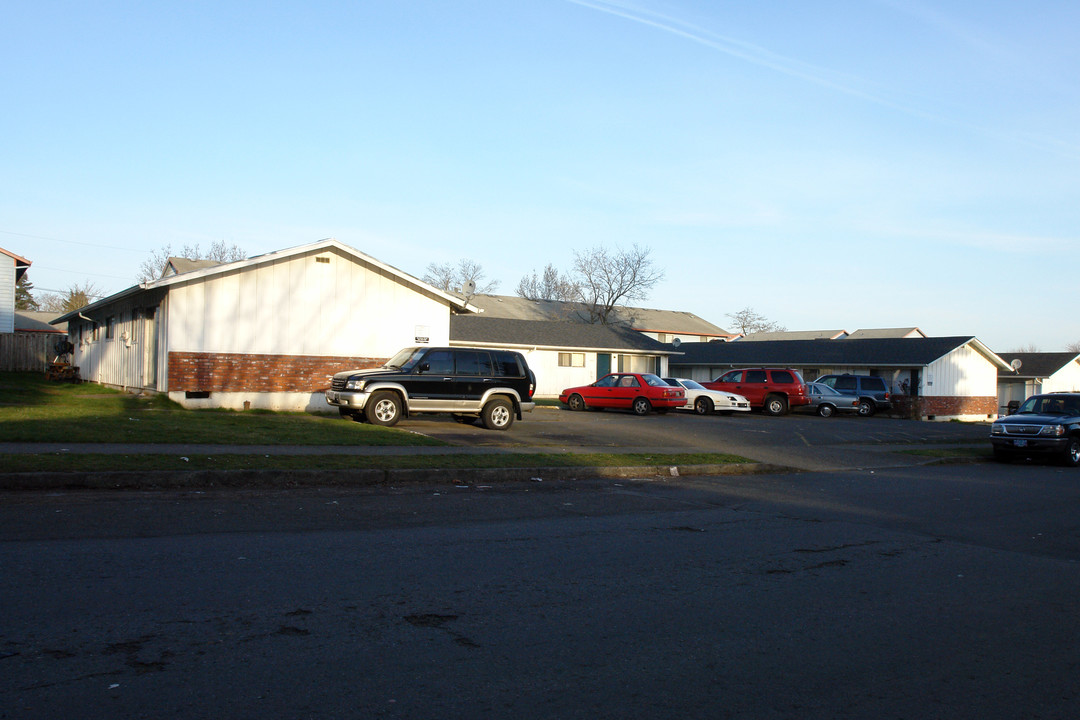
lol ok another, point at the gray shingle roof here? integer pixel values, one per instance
(1039, 365)
(551, 334)
(642, 319)
(884, 352)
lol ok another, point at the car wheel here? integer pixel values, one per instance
(866, 408)
(825, 410)
(1072, 452)
(498, 415)
(642, 406)
(575, 403)
(703, 406)
(775, 405)
(383, 408)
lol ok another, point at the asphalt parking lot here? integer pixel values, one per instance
(805, 442)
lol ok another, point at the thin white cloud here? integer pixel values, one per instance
(831, 80)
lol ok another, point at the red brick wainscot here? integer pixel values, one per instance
(933, 407)
(236, 372)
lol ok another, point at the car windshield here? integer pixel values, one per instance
(654, 381)
(1049, 405)
(405, 359)
(691, 385)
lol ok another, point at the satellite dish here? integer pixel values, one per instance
(469, 288)
(676, 343)
(1016, 364)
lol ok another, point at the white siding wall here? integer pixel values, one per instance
(299, 306)
(7, 294)
(552, 379)
(125, 359)
(1067, 379)
(963, 372)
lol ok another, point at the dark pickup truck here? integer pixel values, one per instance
(1043, 426)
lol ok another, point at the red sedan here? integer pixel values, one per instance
(640, 392)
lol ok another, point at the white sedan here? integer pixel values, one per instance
(704, 401)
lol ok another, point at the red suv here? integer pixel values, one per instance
(774, 390)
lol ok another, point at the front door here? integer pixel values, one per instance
(603, 364)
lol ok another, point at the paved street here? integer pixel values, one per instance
(902, 593)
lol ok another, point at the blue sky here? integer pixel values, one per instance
(829, 164)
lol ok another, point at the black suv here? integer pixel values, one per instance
(1044, 425)
(494, 385)
(872, 391)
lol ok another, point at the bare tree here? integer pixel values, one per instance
(75, 297)
(1073, 347)
(552, 286)
(606, 279)
(1029, 348)
(218, 251)
(749, 321)
(460, 278)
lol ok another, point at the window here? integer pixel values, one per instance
(782, 377)
(110, 327)
(848, 382)
(733, 376)
(571, 359)
(756, 376)
(473, 363)
(439, 362)
(508, 364)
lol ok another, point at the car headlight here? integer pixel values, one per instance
(1054, 430)
(355, 384)
(996, 429)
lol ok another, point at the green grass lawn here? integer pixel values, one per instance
(35, 410)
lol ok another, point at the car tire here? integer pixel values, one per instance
(775, 405)
(1071, 457)
(826, 410)
(866, 407)
(703, 406)
(575, 402)
(642, 406)
(383, 408)
(498, 415)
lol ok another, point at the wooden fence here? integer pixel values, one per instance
(24, 352)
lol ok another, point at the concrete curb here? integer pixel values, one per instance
(276, 479)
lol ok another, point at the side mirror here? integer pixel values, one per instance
(423, 368)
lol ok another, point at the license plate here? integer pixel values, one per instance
(1020, 443)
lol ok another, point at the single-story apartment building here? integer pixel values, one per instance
(938, 378)
(266, 332)
(563, 353)
(1037, 372)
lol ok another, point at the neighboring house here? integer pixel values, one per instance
(12, 268)
(265, 332)
(662, 325)
(1034, 373)
(936, 378)
(564, 353)
(882, 333)
(795, 335)
(35, 321)
(870, 334)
